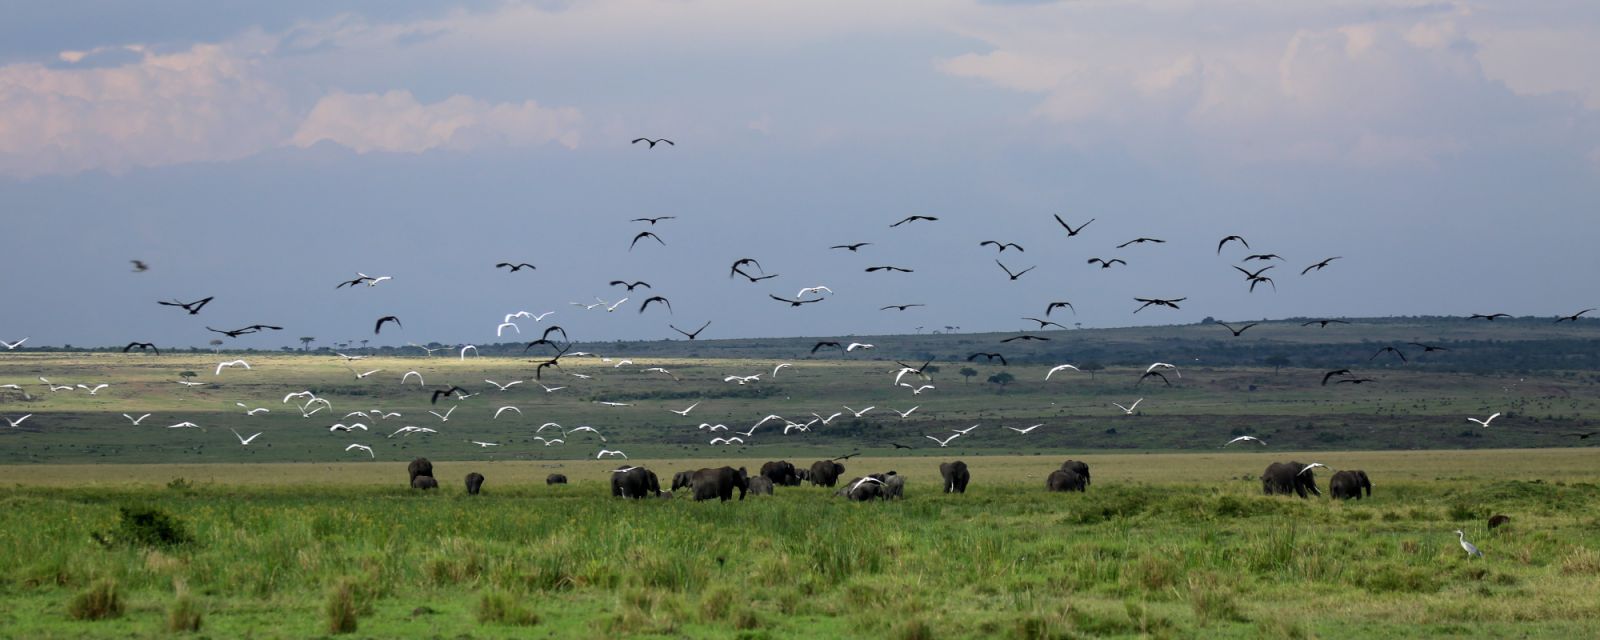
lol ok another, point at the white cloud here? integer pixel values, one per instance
(396, 122)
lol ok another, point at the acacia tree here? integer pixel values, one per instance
(215, 343)
(1003, 378)
(967, 373)
(305, 342)
(1090, 367)
(1278, 361)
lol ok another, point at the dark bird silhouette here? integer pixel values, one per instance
(437, 393)
(1573, 317)
(141, 346)
(917, 370)
(540, 341)
(1253, 276)
(831, 344)
(631, 285)
(991, 357)
(1335, 372)
(848, 456)
(1071, 231)
(753, 278)
(192, 307)
(538, 371)
(518, 266)
(872, 269)
(1238, 331)
(1141, 241)
(659, 299)
(1057, 305)
(794, 302)
(255, 328)
(901, 307)
(653, 142)
(352, 283)
(851, 247)
(1388, 350)
(691, 336)
(139, 266)
(1262, 256)
(642, 235)
(1025, 338)
(1229, 239)
(1016, 275)
(913, 219)
(1353, 381)
(1153, 374)
(898, 445)
(555, 328)
(1158, 302)
(1106, 264)
(1001, 245)
(379, 326)
(1044, 323)
(1319, 266)
(1324, 323)
(1256, 281)
(654, 220)
(742, 262)
(1489, 316)
(1427, 347)
(1581, 436)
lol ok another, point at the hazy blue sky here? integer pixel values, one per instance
(262, 152)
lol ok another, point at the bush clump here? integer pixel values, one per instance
(100, 601)
(342, 608)
(184, 616)
(501, 608)
(146, 527)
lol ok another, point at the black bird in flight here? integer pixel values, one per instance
(139, 266)
(991, 357)
(141, 346)
(1335, 372)
(1318, 266)
(518, 266)
(795, 302)
(1153, 374)
(1389, 350)
(901, 307)
(696, 331)
(540, 341)
(1486, 316)
(742, 262)
(538, 372)
(1044, 323)
(352, 283)
(1581, 436)
(631, 285)
(654, 220)
(913, 219)
(851, 247)
(1257, 274)
(1427, 347)
(1025, 338)
(445, 392)
(642, 235)
(848, 456)
(872, 269)
(1071, 231)
(898, 445)
(1238, 331)
(653, 142)
(1057, 305)
(1106, 264)
(1001, 245)
(659, 299)
(1324, 323)
(192, 307)
(1256, 281)
(1573, 317)
(1229, 239)
(1262, 256)
(1353, 381)
(255, 328)
(755, 278)
(1016, 275)
(1140, 241)
(553, 329)
(1158, 302)
(820, 345)
(379, 326)
(917, 370)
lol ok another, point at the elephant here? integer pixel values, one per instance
(955, 476)
(781, 473)
(1079, 468)
(825, 473)
(555, 478)
(1284, 478)
(1348, 484)
(474, 483)
(1065, 480)
(419, 467)
(424, 482)
(634, 482)
(682, 479)
(720, 483)
(760, 486)
(894, 487)
(803, 474)
(862, 489)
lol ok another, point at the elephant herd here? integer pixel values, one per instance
(1285, 478)
(421, 470)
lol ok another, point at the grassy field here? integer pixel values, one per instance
(1162, 545)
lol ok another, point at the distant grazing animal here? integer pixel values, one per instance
(1348, 484)
(781, 473)
(760, 486)
(720, 482)
(956, 476)
(555, 478)
(682, 479)
(1065, 480)
(424, 482)
(825, 473)
(1285, 478)
(419, 467)
(474, 483)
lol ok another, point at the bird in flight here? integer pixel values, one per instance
(659, 299)
(1045, 323)
(991, 357)
(1581, 436)
(1489, 316)
(1154, 374)
(820, 345)
(139, 266)
(655, 219)
(645, 234)
(1016, 275)
(1240, 330)
(795, 302)
(134, 420)
(12, 346)
(255, 328)
(141, 346)
(1106, 264)
(685, 412)
(1027, 430)
(1324, 323)
(859, 345)
(1141, 240)
(1319, 266)
(888, 268)
(1335, 372)
(653, 143)
(900, 307)
(1354, 381)
(1071, 231)
(230, 364)
(851, 247)
(19, 421)
(609, 453)
(514, 267)
(696, 332)
(1384, 350)
(192, 307)
(1025, 338)
(1484, 422)
(913, 219)
(631, 285)
(1231, 239)
(361, 447)
(1060, 367)
(1128, 410)
(1247, 439)
(1262, 256)
(1057, 305)
(1573, 317)
(945, 442)
(437, 393)
(1158, 302)
(1426, 348)
(1312, 466)
(243, 440)
(861, 412)
(378, 327)
(1002, 246)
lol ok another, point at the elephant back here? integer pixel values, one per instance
(419, 467)
(1064, 480)
(761, 486)
(474, 483)
(424, 482)
(1079, 467)
(555, 478)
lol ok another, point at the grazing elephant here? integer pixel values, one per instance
(803, 474)
(862, 489)
(1348, 484)
(424, 482)
(955, 476)
(419, 467)
(1284, 478)
(682, 479)
(720, 482)
(634, 482)
(781, 473)
(474, 483)
(1065, 480)
(894, 487)
(555, 478)
(825, 473)
(1080, 468)
(760, 486)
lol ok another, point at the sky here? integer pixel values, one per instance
(1448, 152)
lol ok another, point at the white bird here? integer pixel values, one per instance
(743, 379)
(1471, 549)
(464, 351)
(358, 414)
(349, 358)
(685, 412)
(505, 386)
(945, 442)
(587, 307)
(907, 412)
(966, 430)
(581, 376)
(412, 373)
(607, 452)
(614, 306)
(864, 480)
(550, 389)
(1027, 429)
(233, 363)
(828, 419)
(859, 345)
(246, 441)
(446, 416)
(795, 425)
(713, 427)
(67, 387)
(12, 346)
(137, 420)
(363, 448)
(351, 427)
(861, 412)
(96, 389)
(408, 430)
(484, 444)
(810, 290)
(362, 376)
(386, 416)
(1247, 439)
(619, 363)
(917, 391)
(585, 428)
(500, 330)
(256, 411)
(10, 386)
(312, 412)
(373, 281)
(1312, 466)
(1163, 365)
(18, 421)
(180, 425)
(1059, 367)
(614, 404)
(497, 412)
(550, 441)
(299, 394)
(1128, 410)
(728, 440)
(542, 427)
(780, 366)
(901, 373)
(426, 349)
(1482, 423)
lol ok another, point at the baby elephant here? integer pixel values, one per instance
(474, 483)
(555, 478)
(761, 486)
(424, 482)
